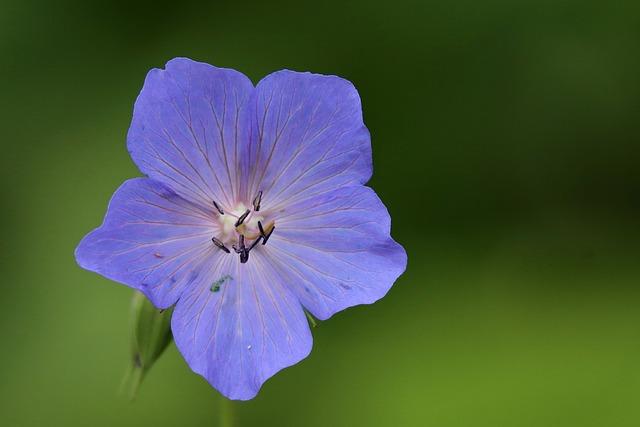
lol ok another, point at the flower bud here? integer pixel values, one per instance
(150, 336)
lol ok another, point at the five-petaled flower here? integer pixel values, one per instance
(253, 209)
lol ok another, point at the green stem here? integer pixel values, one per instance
(226, 412)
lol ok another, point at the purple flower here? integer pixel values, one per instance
(254, 206)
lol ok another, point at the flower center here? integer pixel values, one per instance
(243, 228)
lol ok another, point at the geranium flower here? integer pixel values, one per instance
(253, 209)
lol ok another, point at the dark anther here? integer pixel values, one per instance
(242, 218)
(240, 248)
(219, 244)
(218, 208)
(265, 238)
(256, 201)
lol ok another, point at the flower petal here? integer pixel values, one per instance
(334, 250)
(151, 240)
(188, 129)
(242, 329)
(309, 136)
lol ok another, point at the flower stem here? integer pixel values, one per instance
(226, 412)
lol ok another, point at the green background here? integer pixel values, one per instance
(505, 140)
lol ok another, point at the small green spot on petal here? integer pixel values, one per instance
(215, 287)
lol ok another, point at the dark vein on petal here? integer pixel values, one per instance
(189, 125)
(311, 267)
(220, 125)
(301, 147)
(186, 191)
(333, 255)
(260, 138)
(186, 159)
(277, 258)
(204, 306)
(195, 248)
(204, 195)
(186, 205)
(277, 139)
(266, 289)
(144, 201)
(315, 183)
(180, 267)
(318, 162)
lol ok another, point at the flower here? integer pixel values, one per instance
(253, 209)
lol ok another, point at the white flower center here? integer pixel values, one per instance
(229, 233)
(242, 228)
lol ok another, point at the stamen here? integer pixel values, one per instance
(217, 207)
(219, 244)
(244, 253)
(256, 201)
(265, 238)
(243, 247)
(240, 248)
(242, 218)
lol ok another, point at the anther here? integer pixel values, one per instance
(257, 200)
(242, 218)
(217, 207)
(219, 244)
(240, 248)
(265, 238)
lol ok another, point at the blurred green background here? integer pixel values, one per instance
(506, 147)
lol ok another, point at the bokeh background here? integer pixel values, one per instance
(506, 147)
